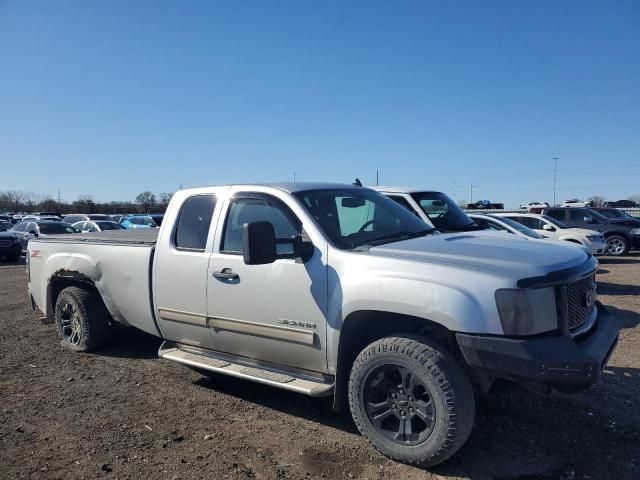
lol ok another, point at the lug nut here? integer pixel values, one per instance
(393, 405)
(393, 395)
(410, 398)
(411, 410)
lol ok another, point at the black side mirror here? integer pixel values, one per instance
(259, 242)
(303, 249)
(33, 232)
(588, 220)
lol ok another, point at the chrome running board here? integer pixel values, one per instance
(286, 380)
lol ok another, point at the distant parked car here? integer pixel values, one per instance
(551, 228)
(621, 234)
(41, 228)
(573, 203)
(485, 205)
(533, 205)
(40, 218)
(85, 217)
(97, 226)
(621, 204)
(138, 221)
(10, 245)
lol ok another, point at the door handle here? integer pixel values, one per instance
(226, 274)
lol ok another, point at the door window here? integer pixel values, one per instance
(248, 210)
(578, 216)
(532, 222)
(194, 219)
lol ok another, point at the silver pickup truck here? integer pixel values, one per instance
(327, 289)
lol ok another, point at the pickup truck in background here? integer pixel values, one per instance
(621, 234)
(327, 289)
(485, 205)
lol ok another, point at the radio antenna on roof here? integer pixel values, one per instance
(357, 183)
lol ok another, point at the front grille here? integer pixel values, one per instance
(5, 243)
(580, 301)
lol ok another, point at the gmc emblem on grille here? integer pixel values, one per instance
(589, 298)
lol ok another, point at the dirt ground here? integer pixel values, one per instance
(123, 413)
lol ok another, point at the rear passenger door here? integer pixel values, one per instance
(180, 273)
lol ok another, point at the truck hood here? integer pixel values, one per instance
(493, 252)
(624, 221)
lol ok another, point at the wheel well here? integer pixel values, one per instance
(61, 280)
(619, 234)
(361, 328)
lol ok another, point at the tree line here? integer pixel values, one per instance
(16, 201)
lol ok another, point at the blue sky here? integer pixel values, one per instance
(111, 98)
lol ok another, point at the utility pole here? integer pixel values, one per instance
(454, 189)
(377, 178)
(59, 202)
(294, 176)
(472, 185)
(555, 167)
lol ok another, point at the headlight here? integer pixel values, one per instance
(595, 238)
(635, 231)
(527, 311)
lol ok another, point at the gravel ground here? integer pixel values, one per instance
(123, 413)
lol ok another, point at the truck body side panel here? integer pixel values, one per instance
(119, 271)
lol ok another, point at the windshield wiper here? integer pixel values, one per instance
(397, 236)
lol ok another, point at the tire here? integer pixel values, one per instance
(617, 245)
(82, 320)
(438, 404)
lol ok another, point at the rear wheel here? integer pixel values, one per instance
(411, 400)
(82, 320)
(617, 245)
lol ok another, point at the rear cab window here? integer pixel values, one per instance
(192, 225)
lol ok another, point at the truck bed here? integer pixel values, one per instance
(141, 236)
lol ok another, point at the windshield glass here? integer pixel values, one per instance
(443, 212)
(56, 228)
(556, 222)
(353, 217)
(518, 226)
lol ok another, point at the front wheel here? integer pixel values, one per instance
(411, 399)
(617, 245)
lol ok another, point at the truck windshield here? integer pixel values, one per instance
(443, 212)
(354, 217)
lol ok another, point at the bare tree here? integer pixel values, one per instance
(635, 198)
(146, 200)
(596, 201)
(165, 198)
(13, 200)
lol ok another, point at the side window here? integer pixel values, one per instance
(403, 202)
(192, 225)
(557, 214)
(531, 222)
(248, 210)
(19, 227)
(578, 215)
(32, 227)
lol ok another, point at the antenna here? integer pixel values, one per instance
(357, 183)
(377, 178)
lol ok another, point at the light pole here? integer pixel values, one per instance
(555, 167)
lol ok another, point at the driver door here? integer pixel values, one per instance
(272, 313)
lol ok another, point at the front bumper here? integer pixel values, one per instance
(557, 361)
